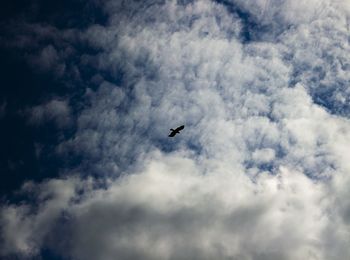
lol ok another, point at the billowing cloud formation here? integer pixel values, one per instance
(56, 111)
(262, 168)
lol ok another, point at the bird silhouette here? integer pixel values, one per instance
(176, 131)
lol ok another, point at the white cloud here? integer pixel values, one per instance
(261, 169)
(24, 228)
(170, 210)
(264, 155)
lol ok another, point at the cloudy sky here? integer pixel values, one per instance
(89, 90)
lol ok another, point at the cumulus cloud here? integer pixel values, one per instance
(170, 210)
(56, 111)
(24, 228)
(261, 170)
(48, 60)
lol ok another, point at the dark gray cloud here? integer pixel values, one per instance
(56, 111)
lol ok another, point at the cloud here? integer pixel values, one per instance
(23, 227)
(56, 111)
(261, 169)
(48, 59)
(170, 210)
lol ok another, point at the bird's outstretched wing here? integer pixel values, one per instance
(172, 134)
(180, 128)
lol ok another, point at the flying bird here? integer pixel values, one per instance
(176, 131)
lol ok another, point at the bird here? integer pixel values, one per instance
(176, 131)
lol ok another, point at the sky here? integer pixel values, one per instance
(90, 89)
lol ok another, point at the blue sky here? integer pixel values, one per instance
(90, 90)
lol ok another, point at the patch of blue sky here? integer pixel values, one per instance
(253, 29)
